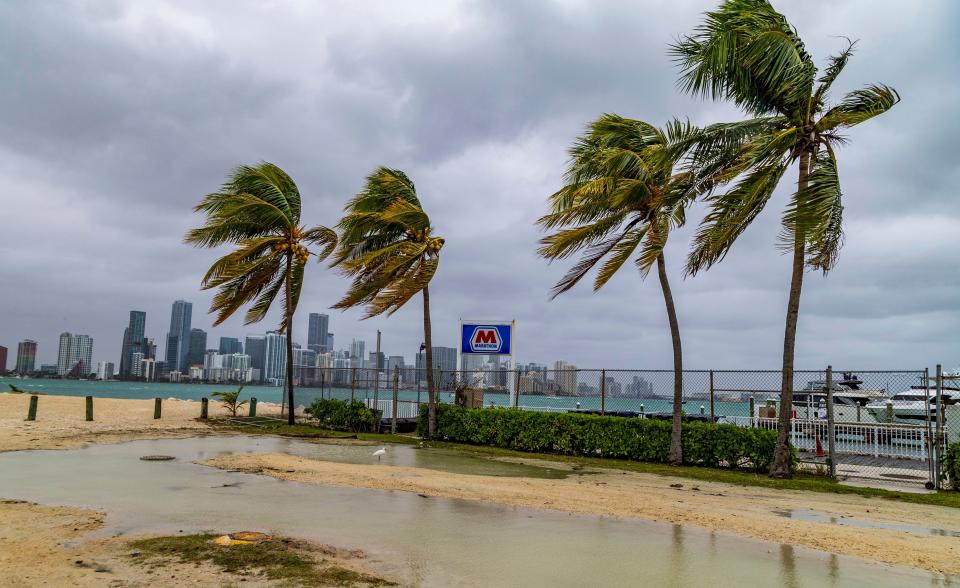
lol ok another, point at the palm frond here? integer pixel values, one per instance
(859, 106)
(815, 214)
(836, 63)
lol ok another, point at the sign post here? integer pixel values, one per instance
(489, 338)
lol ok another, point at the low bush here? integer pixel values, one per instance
(951, 465)
(704, 444)
(343, 415)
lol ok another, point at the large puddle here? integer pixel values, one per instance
(424, 541)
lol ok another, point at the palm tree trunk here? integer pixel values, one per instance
(289, 319)
(676, 444)
(431, 385)
(782, 458)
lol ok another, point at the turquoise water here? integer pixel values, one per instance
(146, 390)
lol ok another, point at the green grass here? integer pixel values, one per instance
(800, 481)
(277, 559)
(311, 432)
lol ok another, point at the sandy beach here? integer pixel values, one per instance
(61, 420)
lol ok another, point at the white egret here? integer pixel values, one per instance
(380, 452)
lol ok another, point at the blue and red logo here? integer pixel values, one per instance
(487, 339)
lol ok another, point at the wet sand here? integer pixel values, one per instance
(741, 510)
(61, 420)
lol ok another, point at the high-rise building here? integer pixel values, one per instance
(356, 349)
(105, 370)
(565, 377)
(74, 355)
(133, 342)
(151, 349)
(197, 347)
(3, 359)
(178, 337)
(275, 358)
(444, 365)
(230, 345)
(26, 357)
(317, 330)
(329, 342)
(304, 366)
(256, 347)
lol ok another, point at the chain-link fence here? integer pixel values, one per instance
(889, 426)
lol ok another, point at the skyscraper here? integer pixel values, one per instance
(133, 342)
(178, 337)
(105, 370)
(275, 358)
(3, 359)
(317, 331)
(74, 355)
(565, 376)
(197, 347)
(356, 349)
(230, 345)
(256, 346)
(26, 357)
(329, 342)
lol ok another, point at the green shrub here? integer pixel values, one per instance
(343, 415)
(704, 444)
(951, 465)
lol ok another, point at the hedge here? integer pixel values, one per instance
(704, 444)
(342, 415)
(951, 465)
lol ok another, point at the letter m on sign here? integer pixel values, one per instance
(485, 340)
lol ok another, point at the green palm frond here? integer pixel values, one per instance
(836, 63)
(816, 214)
(386, 244)
(747, 52)
(859, 106)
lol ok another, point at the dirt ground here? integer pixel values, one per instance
(61, 420)
(44, 545)
(741, 510)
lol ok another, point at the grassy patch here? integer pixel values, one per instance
(800, 481)
(278, 559)
(305, 431)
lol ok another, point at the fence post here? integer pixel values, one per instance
(156, 407)
(32, 410)
(353, 383)
(603, 391)
(204, 410)
(713, 417)
(753, 402)
(831, 434)
(516, 389)
(929, 444)
(940, 414)
(396, 396)
(89, 403)
(253, 407)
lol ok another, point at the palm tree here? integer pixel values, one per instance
(622, 192)
(388, 247)
(747, 52)
(258, 211)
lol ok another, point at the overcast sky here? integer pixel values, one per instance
(117, 117)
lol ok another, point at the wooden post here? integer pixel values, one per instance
(156, 407)
(603, 391)
(516, 388)
(32, 410)
(253, 406)
(753, 402)
(353, 383)
(204, 410)
(713, 417)
(396, 396)
(89, 403)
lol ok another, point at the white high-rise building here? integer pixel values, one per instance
(356, 349)
(565, 377)
(75, 355)
(105, 370)
(275, 358)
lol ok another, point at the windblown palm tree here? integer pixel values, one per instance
(747, 52)
(387, 245)
(258, 211)
(623, 193)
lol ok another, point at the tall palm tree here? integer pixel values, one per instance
(388, 247)
(747, 52)
(622, 192)
(258, 211)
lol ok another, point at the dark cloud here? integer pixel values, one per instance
(116, 118)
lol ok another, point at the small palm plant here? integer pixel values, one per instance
(747, 52)
(258, 211)
(388, 247)
(231, 400)
(622, 197)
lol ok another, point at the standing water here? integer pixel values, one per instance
(421, 541)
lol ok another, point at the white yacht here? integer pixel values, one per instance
(914, 406)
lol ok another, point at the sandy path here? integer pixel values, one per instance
(61, 421)
(741, 510)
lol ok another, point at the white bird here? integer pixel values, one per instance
(380, 452)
